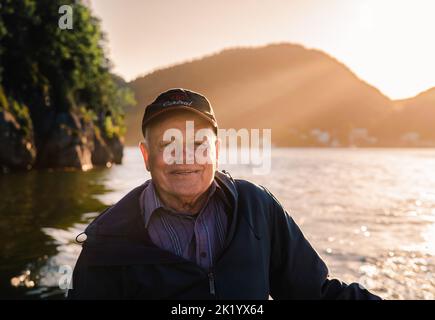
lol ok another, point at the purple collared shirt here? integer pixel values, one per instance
(199, 238)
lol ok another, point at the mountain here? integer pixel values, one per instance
(413, 119)
(305, 96)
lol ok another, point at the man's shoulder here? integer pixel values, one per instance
(130, 199)
(257, 197)
(118, 218)
(249, 188)
(256, 193)
(244, 188)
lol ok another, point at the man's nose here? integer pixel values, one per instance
(189, 152)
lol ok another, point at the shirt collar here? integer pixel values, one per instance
(150, 201)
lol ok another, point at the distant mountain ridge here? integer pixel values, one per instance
(305, 96)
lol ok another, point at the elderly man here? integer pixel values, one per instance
(192, 232)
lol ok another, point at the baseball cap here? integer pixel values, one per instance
(179, 99)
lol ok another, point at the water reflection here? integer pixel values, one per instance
(369, 213)
(31, 204)
(41, 215)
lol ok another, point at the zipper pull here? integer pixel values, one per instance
(211, 283)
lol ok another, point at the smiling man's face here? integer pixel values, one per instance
(187, 180)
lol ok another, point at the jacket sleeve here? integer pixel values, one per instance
(296, 270)
(94, 282)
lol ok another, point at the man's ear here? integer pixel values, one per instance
(145, 154)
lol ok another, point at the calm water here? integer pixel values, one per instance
(369, 213)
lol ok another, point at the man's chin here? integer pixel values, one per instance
(186, 187)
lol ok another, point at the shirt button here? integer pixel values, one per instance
(203, 254)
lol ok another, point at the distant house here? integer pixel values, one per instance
(322, 137)
(361, 137)
(410, 138)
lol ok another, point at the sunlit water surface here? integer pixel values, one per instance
(369, 213)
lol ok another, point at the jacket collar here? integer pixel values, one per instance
(124, 221)
(150, 201)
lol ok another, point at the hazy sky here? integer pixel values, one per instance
(388, 43)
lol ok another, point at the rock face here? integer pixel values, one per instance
(17, 148)
(68, 144)
(70, 141)
(77, 143)
(107, 150)
(116, 145)
(101, 155)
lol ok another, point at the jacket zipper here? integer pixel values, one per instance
(211, 283)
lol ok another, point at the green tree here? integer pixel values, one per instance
(51, 70)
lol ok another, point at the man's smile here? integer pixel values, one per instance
(184, 172)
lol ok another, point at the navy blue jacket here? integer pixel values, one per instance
(265, 254)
